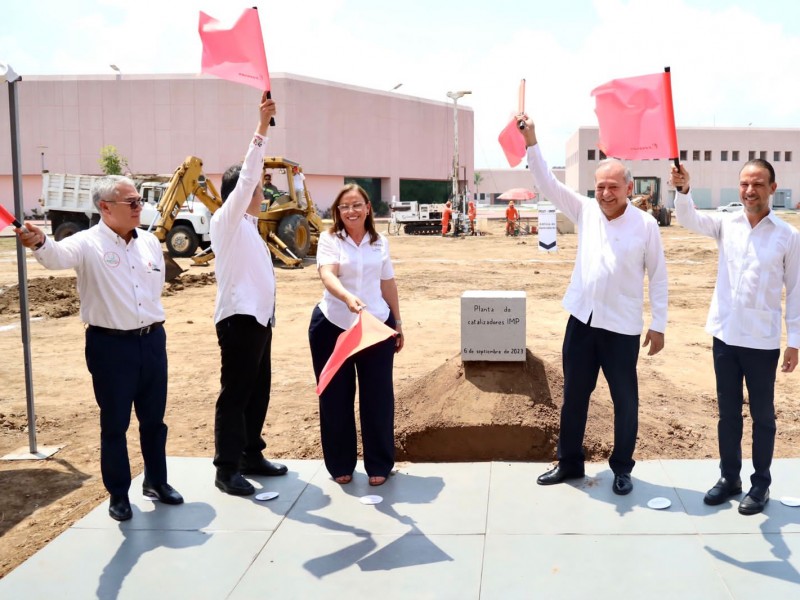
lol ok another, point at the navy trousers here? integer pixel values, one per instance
(372, 368)
(757, 368)
(129, 371)
(585, 351)
(245, 377)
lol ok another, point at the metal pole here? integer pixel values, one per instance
(21, 266)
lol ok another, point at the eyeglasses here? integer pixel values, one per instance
(358, 207)
(133, 202)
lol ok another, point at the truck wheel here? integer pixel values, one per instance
(65, 230)
(182, 241)
(295, 233)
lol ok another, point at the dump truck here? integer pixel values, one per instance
(67, 201)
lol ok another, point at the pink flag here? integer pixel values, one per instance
(6, 218)
(367, 331)
(512, 142)
(236, 54)
(636, 117)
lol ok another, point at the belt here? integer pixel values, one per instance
(137, 332)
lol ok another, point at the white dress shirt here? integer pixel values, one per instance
(613, 256)
(119, 283)
(245, 275)
(361, 269)
(755, 263)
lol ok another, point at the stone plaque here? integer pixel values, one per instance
(493, 325)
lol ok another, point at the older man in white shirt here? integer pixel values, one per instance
(759, 255)
(617, 245)
(120, 272)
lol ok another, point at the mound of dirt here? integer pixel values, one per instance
(479, 411)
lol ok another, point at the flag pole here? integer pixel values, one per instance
(672, 114)
(269, 92)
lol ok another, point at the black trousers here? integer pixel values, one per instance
(372, 368)
(757, 368)
(585, 351)
(245, 377)
(129, 371)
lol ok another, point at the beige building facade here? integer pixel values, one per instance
(334, 131)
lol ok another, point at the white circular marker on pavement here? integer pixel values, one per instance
(659, 503)
(789, 501)
(267, 496)
(371, 499)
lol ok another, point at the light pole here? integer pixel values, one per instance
(459, 209)
(7, 73)
(119, 73)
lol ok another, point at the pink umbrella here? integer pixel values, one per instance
(517, 194)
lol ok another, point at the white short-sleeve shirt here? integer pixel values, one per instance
(361, 269)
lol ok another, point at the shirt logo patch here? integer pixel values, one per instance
(111, 259)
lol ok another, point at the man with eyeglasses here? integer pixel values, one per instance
(120, 273)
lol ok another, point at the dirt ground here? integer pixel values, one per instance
(445, 410)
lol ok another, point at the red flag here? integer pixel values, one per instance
(636, 117)
(367, 331)
(236, 54)
(6, 218)
(512, 142)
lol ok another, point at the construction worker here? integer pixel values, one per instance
(472, 214)
(446, 215)
(512, 217)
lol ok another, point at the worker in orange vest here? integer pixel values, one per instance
(446, 218)
(471, 216)
(512, 217)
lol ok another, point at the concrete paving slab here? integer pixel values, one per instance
(598, 566)
(418, 493)
(470, 530)
(519, 505)
(129, 564)
(365, 565)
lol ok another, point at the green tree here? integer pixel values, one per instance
(111, 161)
(477, 177)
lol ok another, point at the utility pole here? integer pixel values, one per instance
(459, 203)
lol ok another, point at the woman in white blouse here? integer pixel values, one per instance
(355, 268)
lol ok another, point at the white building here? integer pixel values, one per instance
(713, 156)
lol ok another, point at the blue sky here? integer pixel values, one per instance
(734, 62)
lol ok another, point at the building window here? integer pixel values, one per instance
(695, 154)
(751, 155)
(776, 156)
(735, 155)
(787, 156)
(707, 155)
(723, 155)
(590, 193)
(684, 154)
(591, 155)
(762, 155)
(602, 155)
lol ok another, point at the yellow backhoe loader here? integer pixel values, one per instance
(288, 222)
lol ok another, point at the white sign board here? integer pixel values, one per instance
(493, 326)
(547, 227)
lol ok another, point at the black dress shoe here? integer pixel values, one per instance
(261, 466)
(163, 492)
(722, 491)
(622, 484)
(234, 484)
(119, 508)
(755, 501)
(557, 475)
